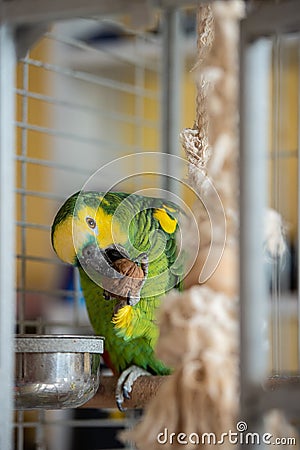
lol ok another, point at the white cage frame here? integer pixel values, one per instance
(20, 23)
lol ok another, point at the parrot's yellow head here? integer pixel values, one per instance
(85, 218)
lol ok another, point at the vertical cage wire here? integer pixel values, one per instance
(65, 132)
(253, 190)
(24, 76)
(24, 115)
(139, 80)
(171, 96)
(276, 94)
(297, 253)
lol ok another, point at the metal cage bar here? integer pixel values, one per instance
(171, 98)
(7, 239)
(253, 292)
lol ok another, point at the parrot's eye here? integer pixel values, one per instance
(91, 222)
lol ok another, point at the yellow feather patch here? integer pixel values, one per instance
(63, 241)
(123, 319)
(110, 231)
(71, 235)
(81, 231)
(167, 223)
(84, 212)
(168, 208)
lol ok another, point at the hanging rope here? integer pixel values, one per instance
(195, 140)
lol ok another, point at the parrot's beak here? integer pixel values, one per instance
(98, 259)
(115, 252)
(94, 261)
(111, 268)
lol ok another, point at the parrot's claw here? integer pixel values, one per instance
(106, 295)
(125, 383)
(126, 393)
(132, 301)
(120, 405)
(143, 261)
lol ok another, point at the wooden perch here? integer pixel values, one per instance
(276, 382)
(145, 388)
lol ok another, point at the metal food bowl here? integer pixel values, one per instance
(56, 371)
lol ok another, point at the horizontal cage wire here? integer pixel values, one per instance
(80, 104)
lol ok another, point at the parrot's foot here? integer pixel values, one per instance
(125, 383)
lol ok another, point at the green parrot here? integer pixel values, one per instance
(128, 256)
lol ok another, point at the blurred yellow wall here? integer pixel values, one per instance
(283, 172)
(34, 177)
